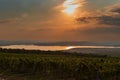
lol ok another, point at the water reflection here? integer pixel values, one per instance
(52, 48)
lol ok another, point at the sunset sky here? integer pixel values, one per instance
(60, 20)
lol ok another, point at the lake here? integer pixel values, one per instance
(53, 48)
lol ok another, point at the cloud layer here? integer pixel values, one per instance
(109, 19)
(43, 20)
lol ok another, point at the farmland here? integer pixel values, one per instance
(56, 65)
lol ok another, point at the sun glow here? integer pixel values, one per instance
(70, 47)
(70, 6)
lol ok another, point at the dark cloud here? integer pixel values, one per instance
(115, 8)
(108, 20)
(113, 19)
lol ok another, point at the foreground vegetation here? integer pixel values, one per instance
(47, 65)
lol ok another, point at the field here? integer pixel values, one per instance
(48, 65)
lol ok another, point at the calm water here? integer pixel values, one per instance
(52, 48)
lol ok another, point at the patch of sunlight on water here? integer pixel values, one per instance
(52, 48)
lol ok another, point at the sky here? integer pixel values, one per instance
(60, 20)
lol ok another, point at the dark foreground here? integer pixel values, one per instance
(24, 65)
